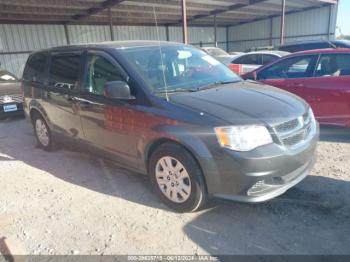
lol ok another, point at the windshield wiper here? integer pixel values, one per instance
(215, 84)
(208, 86)
(179, 90)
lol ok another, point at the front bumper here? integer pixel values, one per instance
(18, 112)
(259, 175)
(266, 191)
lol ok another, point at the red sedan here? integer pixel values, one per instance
(321, 77)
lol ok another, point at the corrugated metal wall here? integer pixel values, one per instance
(139, 33)
(200, 35)
(306, 25)
(20, 39)
(79, 34)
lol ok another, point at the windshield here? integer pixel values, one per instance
(177, 68)
(7, 77)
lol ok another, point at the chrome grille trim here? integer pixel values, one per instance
(295, 132)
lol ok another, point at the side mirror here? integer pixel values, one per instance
(250, 76)
(255, 76)
(118, 89)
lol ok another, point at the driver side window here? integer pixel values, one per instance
(99, 72)
(295, 67)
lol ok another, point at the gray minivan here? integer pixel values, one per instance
(175, 113)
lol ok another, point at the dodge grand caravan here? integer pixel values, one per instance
(175, 113)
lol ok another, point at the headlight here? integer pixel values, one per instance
(243, 138)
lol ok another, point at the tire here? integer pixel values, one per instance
(41, 129)
(177, 178)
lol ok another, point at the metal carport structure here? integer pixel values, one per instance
(27, 25)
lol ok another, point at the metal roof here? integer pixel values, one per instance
(141, 12)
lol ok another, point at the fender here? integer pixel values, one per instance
(186, 137)
(34, 104)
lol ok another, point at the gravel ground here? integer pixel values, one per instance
(72, 203)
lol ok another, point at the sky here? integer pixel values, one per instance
(343, 20)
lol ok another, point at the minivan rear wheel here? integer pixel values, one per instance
(42, 133)
(177, 178)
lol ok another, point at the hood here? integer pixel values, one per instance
(244, 103)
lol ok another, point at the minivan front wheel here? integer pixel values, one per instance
(177, 178)
(42, 133)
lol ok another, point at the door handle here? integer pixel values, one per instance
(295, 85)
(298, 85)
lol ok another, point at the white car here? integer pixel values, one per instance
(218, 54)
(235, 53)
(252, 60)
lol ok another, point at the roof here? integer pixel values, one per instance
(112, 44)
(273, 52)
(123, 44)
(210, 47)
(323, 51)
(315, 41)
(142, 12)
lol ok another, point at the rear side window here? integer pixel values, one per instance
(64, 70)
(333, 65)
(267, 59)
(35, 68)
(253, 59)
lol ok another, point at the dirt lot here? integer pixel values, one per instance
(71, 203)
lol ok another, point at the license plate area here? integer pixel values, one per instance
(10, 108)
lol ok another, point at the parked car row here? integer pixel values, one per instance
(240, 62)
(312, 45)
(253, 60)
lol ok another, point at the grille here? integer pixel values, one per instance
(293, 132)
(15, 99)
(286, 126)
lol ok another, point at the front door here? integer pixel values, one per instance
(330, 87)
(293, 75)
(107, 122)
